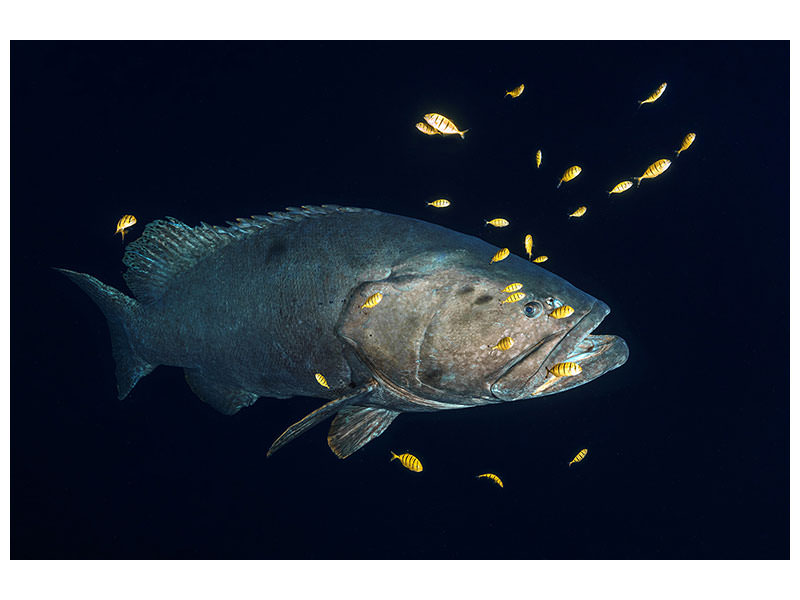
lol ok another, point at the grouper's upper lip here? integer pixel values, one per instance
(557, 353)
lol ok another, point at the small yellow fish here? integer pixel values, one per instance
(443, 125)
(578, 457)
(409, 461)
(516, 91)
(538, 158)
(529, 245)
(581, 210)
(654, 170)
(621, 187)
(321, 380)
(372, 300)
(513, 298)
(427, 129)
(504, 344)
(562, 312)
(655, 95)
(565, 369)
(491, 476)
(540, 259)
(511, 287)
(687, 141)
(123, 224)
(497, 223)
(440, 203)
(569, 174)
(502, 254)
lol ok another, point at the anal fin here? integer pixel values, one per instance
(319, 415)
(356, 426)
(225, 398)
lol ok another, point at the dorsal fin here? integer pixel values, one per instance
(168, 247)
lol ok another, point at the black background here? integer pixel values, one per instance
(688, 441)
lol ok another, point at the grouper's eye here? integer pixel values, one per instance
(533, 309)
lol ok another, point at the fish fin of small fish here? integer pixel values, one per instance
(227, 399)
(316, 417)
(356, 426)
(118, 310)
(461, 133)
(168, 247)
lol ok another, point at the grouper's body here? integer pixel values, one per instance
(257, 308)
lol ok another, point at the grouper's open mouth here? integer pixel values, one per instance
(527, 376)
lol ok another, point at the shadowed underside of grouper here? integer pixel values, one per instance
(259, 307)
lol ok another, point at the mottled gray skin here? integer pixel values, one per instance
(266, 311)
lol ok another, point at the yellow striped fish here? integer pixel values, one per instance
(529, 245)
(569, 174)
(516, 91)
(621, 187)
(578, 457)
(538, 158)
(443, 125)
(504, 344)
(426, 129)
(123, 224)
(687, 141)
(562, 312)
(565, 369)
(513, 298)
(654, 170)
(511, 287)
(501, 255)
(655, 95)
(497, 223)
(540, 259)
(581, 210)
(491, 476)
(372, 300)
(440, 203)
(321, 380)
(409, 461)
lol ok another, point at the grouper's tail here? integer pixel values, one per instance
(119, 311)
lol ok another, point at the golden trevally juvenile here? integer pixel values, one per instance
(409, 461)
(688, 140)
(538, 158)
(540, 259)
(504, 344)
(516, 91)
(440, 203)
(500, 255)
(372, 300)
(443, 125)
(655, 95)
(569, 175)
(491, 476)
(578, 457)
(529, 245)
(511, 287)
(579, 212)
(427, 129)
(498, 223)
(565, 369)
(654, 170)
(562, 312)
(124, 223)
(513, 298)
(321, 380)
(621, 187)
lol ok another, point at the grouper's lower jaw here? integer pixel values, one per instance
(596, 354)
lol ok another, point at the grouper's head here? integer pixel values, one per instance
(433, 333)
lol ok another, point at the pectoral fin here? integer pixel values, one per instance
(225, 398)
(355, 426)
(319, 415)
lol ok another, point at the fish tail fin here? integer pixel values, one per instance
(119, 312)
(637, 180)
(461, 133)
(393, 456)
(559, 184)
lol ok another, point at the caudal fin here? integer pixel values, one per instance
(461, 133)
(118, 310)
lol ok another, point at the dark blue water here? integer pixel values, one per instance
(688, 441)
